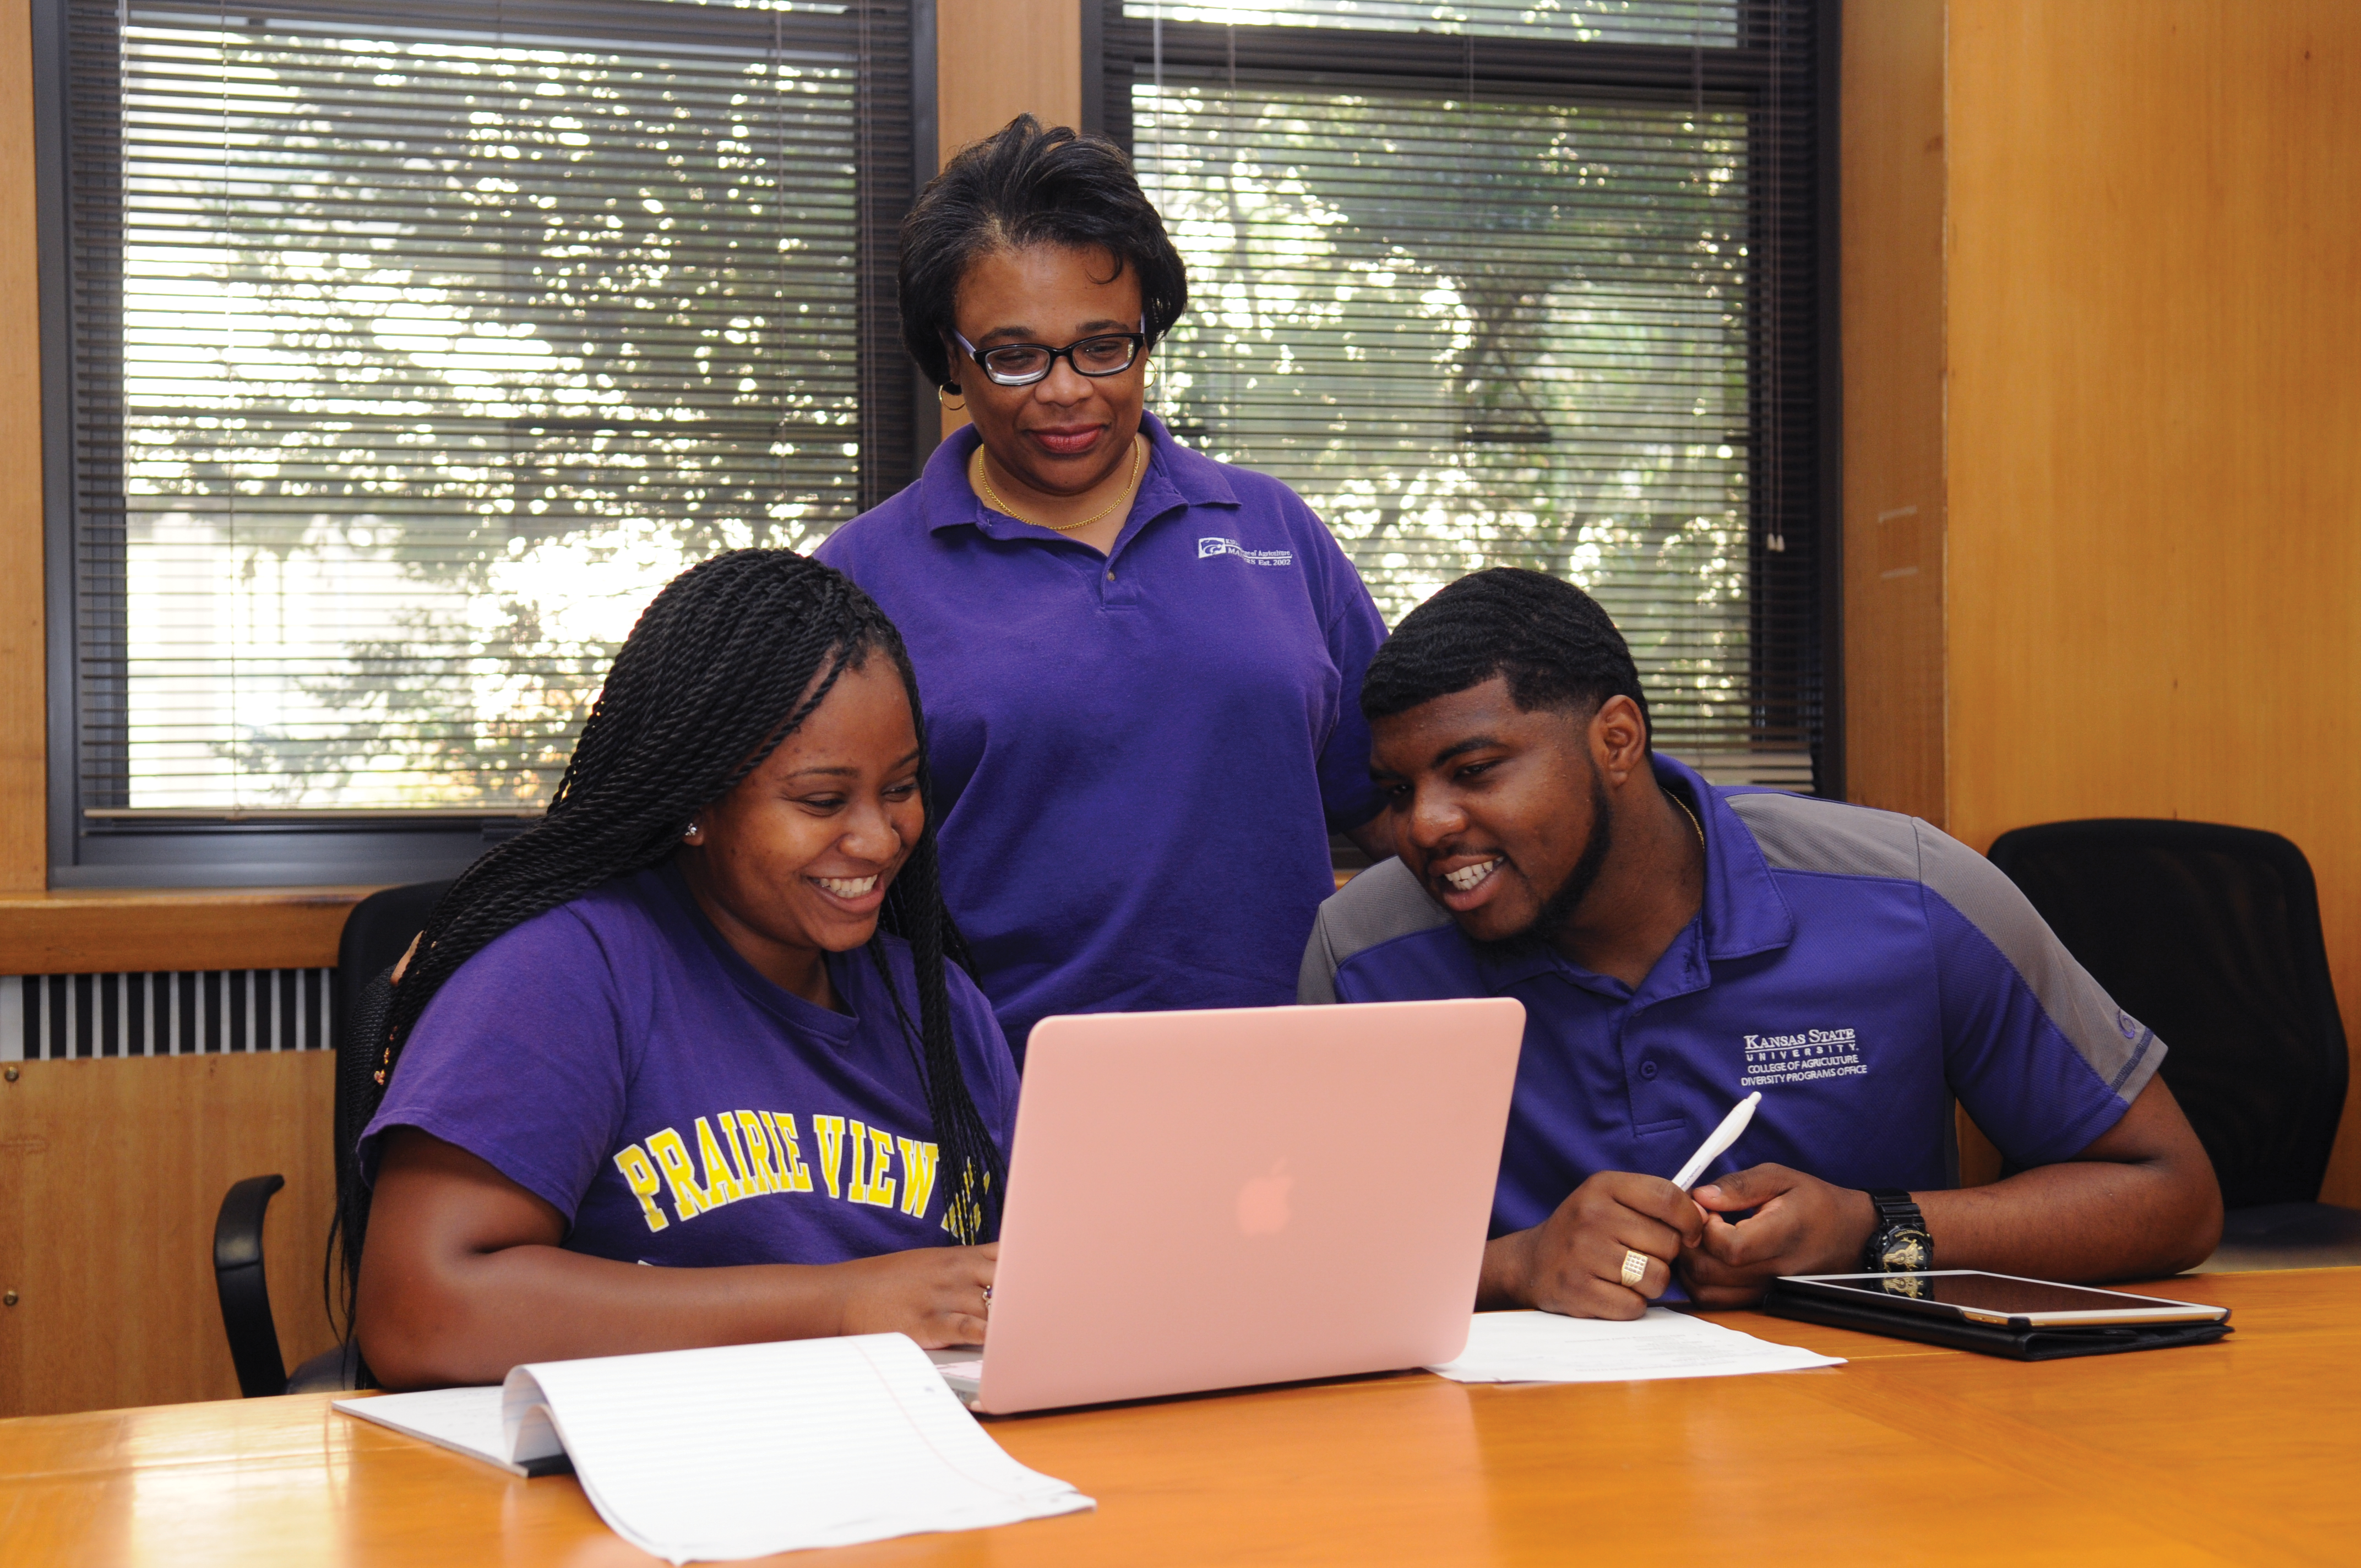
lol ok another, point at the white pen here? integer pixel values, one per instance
(1723, 1136)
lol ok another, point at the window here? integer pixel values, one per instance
(397, 351)
(1529, 285)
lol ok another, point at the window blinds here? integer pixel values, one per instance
(1492, 285)
(1555, 21)
(415, 344)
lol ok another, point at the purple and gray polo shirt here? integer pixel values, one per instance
(1138, 757)
(1859, 968)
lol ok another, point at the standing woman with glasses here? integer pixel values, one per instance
(1141, 666)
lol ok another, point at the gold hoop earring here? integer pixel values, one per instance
(941, 396)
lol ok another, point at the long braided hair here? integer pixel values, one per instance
(727, 661)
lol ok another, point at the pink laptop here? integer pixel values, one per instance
(1249, 1195)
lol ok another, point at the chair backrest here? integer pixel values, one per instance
(2210, 936)
(376, 933)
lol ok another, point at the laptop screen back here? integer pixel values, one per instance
(1217, 1199)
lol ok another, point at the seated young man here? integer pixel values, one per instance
(1677, 946)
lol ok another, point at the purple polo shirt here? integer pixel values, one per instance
(1860, 969)
(1138, 756)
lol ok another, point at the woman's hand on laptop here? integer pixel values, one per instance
(1800, 1224)
(1572, 1263)
(939, 1296)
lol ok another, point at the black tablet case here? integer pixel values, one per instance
(1988, 1339)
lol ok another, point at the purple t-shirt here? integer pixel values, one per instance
(618, 1058)
(1138, 756)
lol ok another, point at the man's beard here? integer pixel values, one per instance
(1557, 910)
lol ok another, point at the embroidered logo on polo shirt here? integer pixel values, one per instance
(1209, 547)
(1801, 1057)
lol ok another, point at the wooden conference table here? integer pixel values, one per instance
(2247, 1452)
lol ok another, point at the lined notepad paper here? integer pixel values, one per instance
(1542, 1347)
(746, 1450)
(464, 1420)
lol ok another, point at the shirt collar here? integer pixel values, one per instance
(1176, 479)
(1744, 913)
(756, 986)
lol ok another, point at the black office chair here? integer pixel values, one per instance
(376, 931)
(2210, 936)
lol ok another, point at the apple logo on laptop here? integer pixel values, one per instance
(1262, 1202)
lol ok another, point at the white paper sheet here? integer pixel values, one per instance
(1542, 1347)
(747, 1449)
(464, 1420)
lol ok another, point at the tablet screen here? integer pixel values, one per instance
(2002, 1294)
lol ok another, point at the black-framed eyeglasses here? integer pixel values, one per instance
(1022, 364)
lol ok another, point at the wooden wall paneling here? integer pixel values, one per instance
(2154, 522)
(995, 60)
(111, 1173)
(79, 932)
(1891, 251)
(24, 698)
(998, 59)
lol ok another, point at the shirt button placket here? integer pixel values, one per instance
(1118, 585)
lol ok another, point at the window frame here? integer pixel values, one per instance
(1802, 269)
(899, 428)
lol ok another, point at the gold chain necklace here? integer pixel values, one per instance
(1690, 814)
(981, 478)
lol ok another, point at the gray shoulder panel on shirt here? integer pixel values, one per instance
(1381, 904)
(1797, 833)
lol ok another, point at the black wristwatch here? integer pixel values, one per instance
(1900, 1244)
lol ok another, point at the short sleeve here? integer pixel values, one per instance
(520, 1060)
(1354, 630)
(1315, 979)
(2034, 1047)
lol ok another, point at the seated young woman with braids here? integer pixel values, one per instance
(700, 1017)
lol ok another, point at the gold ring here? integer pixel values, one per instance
(1635, 1268)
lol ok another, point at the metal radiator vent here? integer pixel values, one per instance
(62, 1018)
